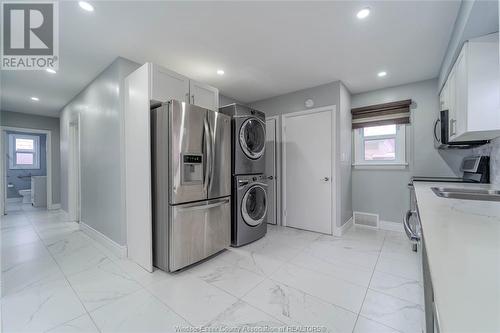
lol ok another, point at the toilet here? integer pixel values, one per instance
(26, 194)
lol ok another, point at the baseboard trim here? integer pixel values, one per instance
(390, 226)
(55, 206)
(14, 200)
(346, 226)
(117, 249)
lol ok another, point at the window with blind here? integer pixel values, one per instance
(379, 134)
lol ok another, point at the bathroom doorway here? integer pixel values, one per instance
(26, 173)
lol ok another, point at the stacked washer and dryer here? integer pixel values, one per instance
(249, 188)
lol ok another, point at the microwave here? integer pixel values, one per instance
(441, 135)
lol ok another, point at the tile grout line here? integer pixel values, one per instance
(369, 282)
(67, 280)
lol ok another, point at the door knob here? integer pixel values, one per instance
(326, 179)
(270, 177)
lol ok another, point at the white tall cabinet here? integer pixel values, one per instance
(149, 85)
(471, 92)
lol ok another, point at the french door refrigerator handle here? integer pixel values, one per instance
(206, 136)
(197, 206)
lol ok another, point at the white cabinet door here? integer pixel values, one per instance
(167, 85)
(204, 95)
(451, 105)
(460, 101)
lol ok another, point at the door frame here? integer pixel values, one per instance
(277, 165)
(48, 161)
(74, 169)
(333, 183)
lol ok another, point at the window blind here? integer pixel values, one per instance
(381, 114)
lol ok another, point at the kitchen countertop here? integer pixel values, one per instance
(462, 240)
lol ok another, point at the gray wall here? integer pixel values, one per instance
(475, 18)
(324, 95)
(333, 93)
(24, 120)
(100, 107)
(13, 174)
(384, 192)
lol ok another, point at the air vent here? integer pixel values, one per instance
(366, 219)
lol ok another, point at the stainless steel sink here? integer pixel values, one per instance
(467, 194)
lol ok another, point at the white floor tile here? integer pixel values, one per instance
(408, 268)
(18, 236)
(29, 274)
(102, 284)
(356, 274)
(242, 315)
(393, 312)
(193, 299)
(138, 312)
(82, 324)
(15, 255)
(365, 325)
(254, 262)
(40, 308)
(330, 289)
(294, 307)
(228, 277)
(140, 274)
(348, 251)
(406, 289)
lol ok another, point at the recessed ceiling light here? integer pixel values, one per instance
(86, 6)
(36, 99)
(363, 13)
(382, 74)
(220, 72)
(50, 70)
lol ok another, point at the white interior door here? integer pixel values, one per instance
(271, 170)
(307, 170)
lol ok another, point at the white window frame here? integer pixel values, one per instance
(359, 146)
(13, 151)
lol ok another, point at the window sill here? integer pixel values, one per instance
(380, 166)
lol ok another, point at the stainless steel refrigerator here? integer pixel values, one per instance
(191, 162)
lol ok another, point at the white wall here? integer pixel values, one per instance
(333, 93)
(24, 120)
(345, 149)
(100, 107)
(384, 192)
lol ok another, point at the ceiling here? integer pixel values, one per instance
(266, 48)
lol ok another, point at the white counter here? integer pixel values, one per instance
(462, 239)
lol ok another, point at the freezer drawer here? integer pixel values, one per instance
(198, 230)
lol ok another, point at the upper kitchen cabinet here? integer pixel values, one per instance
(167, 85)
(471, 92)
(204, 95)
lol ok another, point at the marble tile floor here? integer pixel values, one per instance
(56, 279)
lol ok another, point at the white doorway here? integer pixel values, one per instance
(9, 154)
(273, 170)
(74, 193)
(308, 168)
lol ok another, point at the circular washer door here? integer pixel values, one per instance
(253, 138)
(254, 205)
